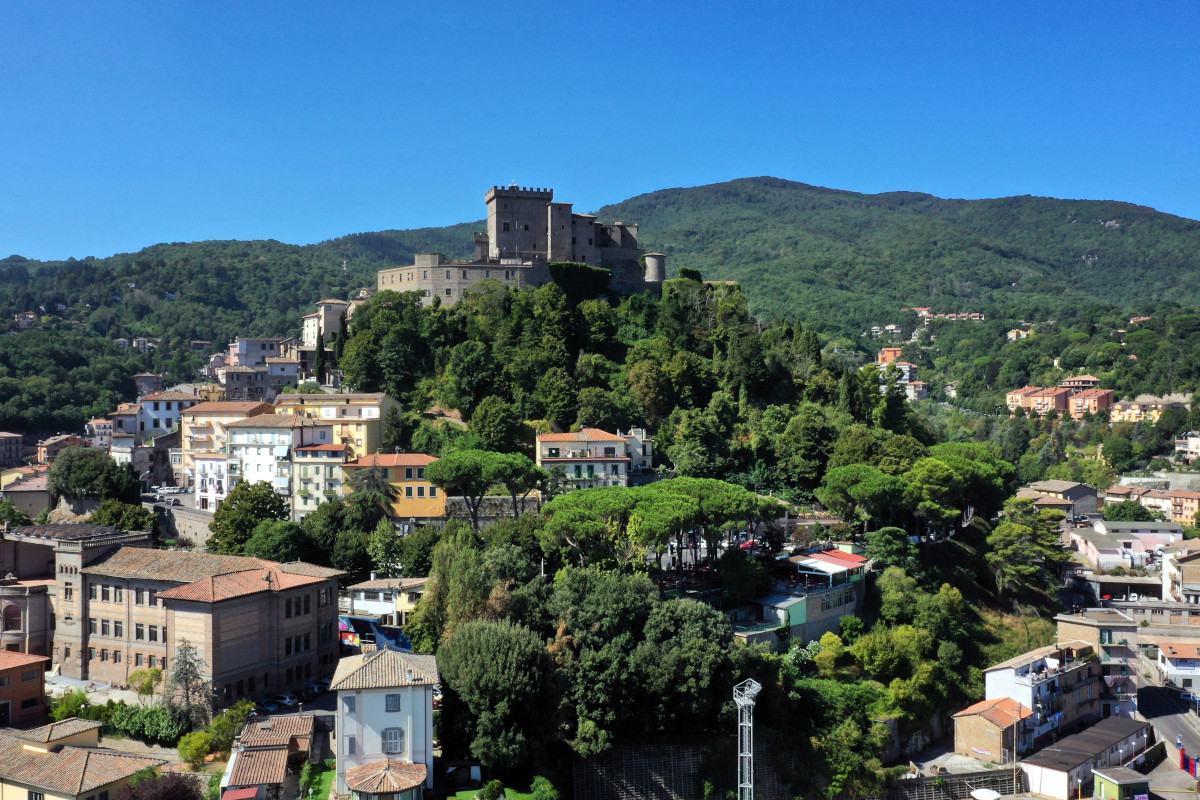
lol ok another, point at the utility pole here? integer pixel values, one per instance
(744, 694)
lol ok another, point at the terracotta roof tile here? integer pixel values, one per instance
(10, 659)
(383, 669)
(172, 394)
(277, 421)
(70, 770)
(230, 407)
(258, 767)
(391, 460)
(1002, 712)
(396, 583)
(276, 731)
(585, 435)
(58, 730)
(387, 775)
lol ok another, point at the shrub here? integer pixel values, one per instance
(493, 791)
(194, 747)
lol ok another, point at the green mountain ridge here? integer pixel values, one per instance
(837, 259)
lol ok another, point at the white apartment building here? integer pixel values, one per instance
(296, 455)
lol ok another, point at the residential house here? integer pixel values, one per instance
(1188, 445)
(25, 319)
(22, 688)
(417, 500)
(1120, 783)
(296, 455)
(1083, 498)
(590, 457)
(1060, 683)
(384, 724)
(1054, 399)
(1179, 662)
(161, 411)
(1016, 334)
(203, 438)
(888, 355)
(48, 449)
(1150, 534)
(29, 490)
(1090, 401)
(63, 761)
(260, 626)
(357, 418)
(1181, 575)
(11, 450)
(1020, 398)
(1062, 771)
(1080, 383)
(996, 731)
(99, 433)
(1145, 408)
(390, 600)
(951, 390)
(267, 751)
(246, 384)
(325, 320)
(916, 390)
(1113, 635)
(253, 352)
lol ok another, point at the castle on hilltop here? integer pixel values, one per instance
(526, 232)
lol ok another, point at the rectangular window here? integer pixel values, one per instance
(153, 633)
(408, 491)
(31, 702)
(287, 608)
(104, 627)
(151, 597)
(152, 662)
(68, 591)
(420, 491)
(104, 655)
(118, 628)
(138, 598)
(350, 750)
(117, 594)
(306, 641)
(287, 646)
(348, 705)
(92, 592)
(433, 491)
(393, 740)
(30, 674)
(92, 625)
(408, 473)
(137, 659)
(91, 654)
(139, 631)
(36, 795)
(392, 702)
(308, 604)
(116, 656)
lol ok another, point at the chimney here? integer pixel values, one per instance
(374, 576)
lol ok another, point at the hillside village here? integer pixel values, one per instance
(539, 558)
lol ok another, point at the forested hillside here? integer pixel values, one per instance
(845, 261)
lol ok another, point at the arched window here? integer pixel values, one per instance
(12, 618)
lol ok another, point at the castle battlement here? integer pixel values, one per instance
(522, 192)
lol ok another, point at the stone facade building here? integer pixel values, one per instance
(526, 231)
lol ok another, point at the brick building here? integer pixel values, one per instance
(22, 688)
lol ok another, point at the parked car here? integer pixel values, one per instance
(1188, 697)
(288, 699)
(750, 545)
(267, 707)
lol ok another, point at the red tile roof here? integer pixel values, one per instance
(392, 460)
(585, 435)
(388, 775)
(1001, 713)
(10, 659)
(258, 767)
(71, 771)
(230, 407)
(842, 555)
(171, 394)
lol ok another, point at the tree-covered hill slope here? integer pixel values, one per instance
(847, 260)
(838, 259)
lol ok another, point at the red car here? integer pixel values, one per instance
(750, 545)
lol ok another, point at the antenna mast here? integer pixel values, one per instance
(744, 694)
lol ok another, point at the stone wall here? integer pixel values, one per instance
(181, 522)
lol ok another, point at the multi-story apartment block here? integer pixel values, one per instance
(592, 457)
(317, 476)
(99, 433)
(325, 320)
(1114, 636)
(390, 600)
(202, 435)
(384, 724)
(888, 355)
(1090, 401)
(246, 384)
(1080, 382)
(526, 231)
(357, 419)
(297, 456)
(1019, 398)
(417, 500)
(1060, 683)
(259, 626)
(48, 449)
(253, 352)
(1144, 408)
(161, 411)
(11, 449)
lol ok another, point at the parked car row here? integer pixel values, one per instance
(282, 702)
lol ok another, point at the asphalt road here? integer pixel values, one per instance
(1170, 717)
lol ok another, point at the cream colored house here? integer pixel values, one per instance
(203, 433)
(357, 419)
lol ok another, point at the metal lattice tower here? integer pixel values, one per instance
(744, 694)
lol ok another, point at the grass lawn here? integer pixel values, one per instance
(322, 781)
(511, 794)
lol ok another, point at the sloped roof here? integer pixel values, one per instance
(1180, 648)
(391, 460)
(64, 531)
(1002, 712)
(390, 583)
(58, 730)
(10, 659)
(276, 421)
(70, 770)
(277, 731)
(229, 407)
(259, 767)
(585, 435)
(386, 775)
(172, 394)
(384, 669)
(1040, 652)
(1058, 486)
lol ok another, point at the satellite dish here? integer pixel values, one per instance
(985, 794)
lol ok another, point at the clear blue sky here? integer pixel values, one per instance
(124, 124)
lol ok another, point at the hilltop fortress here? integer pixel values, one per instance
(526, 232)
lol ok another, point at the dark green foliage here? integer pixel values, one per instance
(1129, 511)
(237, 518)
(580, 281)
(169, 786)
(86, 472)
(277, 540)
(125, 517)
(155, 724)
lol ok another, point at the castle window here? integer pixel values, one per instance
(464, 277)
(526, 227)
(487, 273)
(12, 618)
(449, 292)
(447, 274)
(506, 226)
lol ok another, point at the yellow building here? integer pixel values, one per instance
(62, 761)
(417, 500)
(357, 419)
(202, 431)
